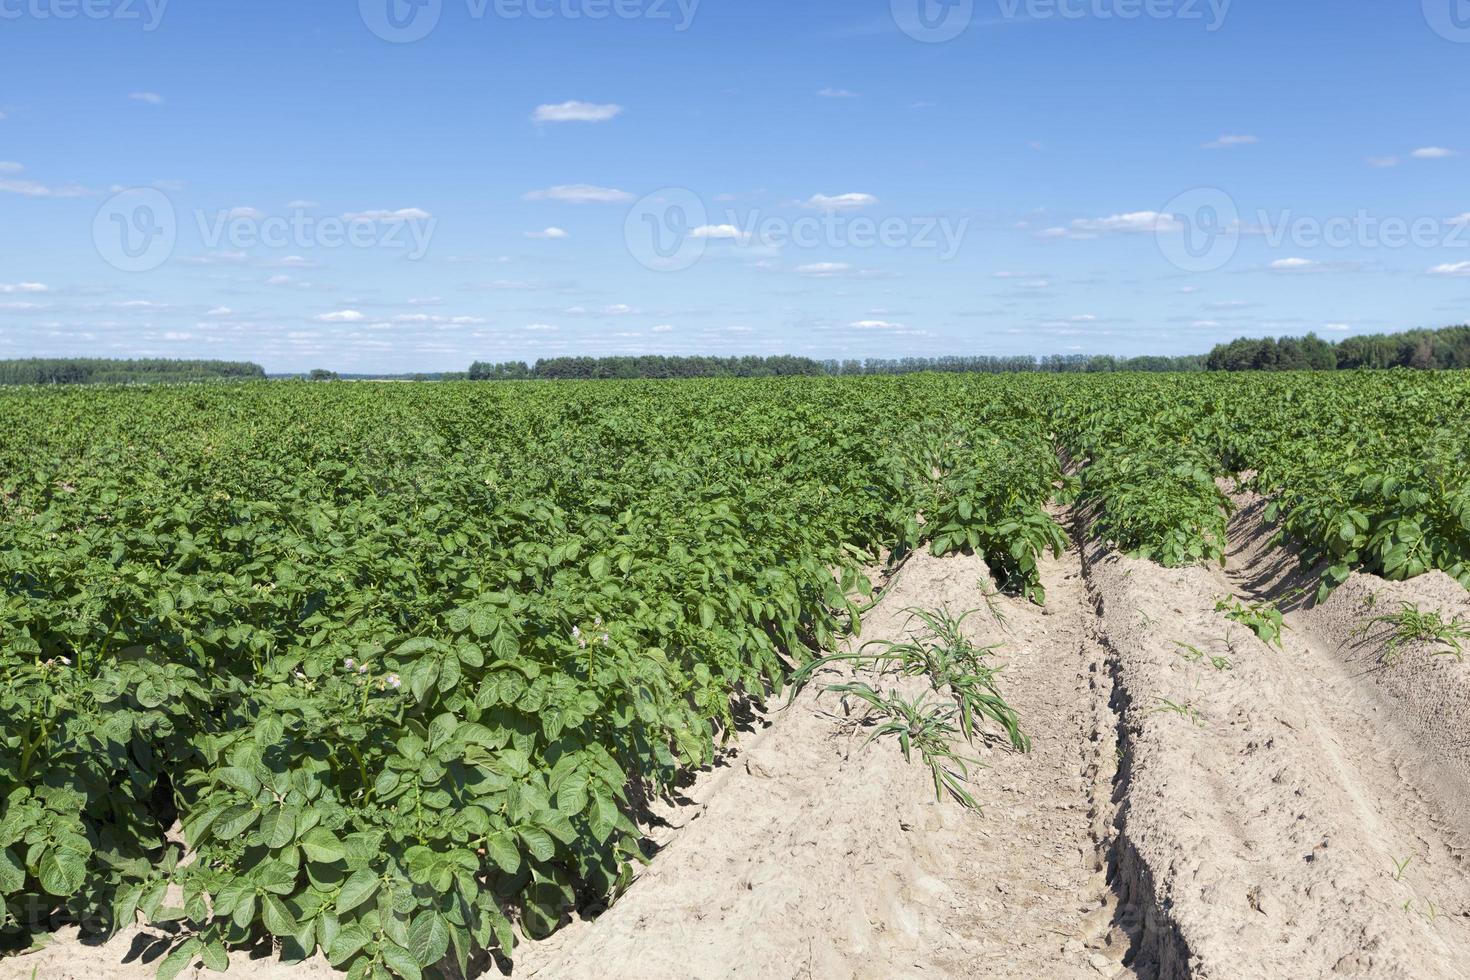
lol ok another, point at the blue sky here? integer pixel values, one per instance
(542, 177)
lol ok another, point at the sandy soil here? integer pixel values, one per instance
(821, 858)
(1177, 817)
(1270, 804)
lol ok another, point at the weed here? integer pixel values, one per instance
(1399, 866)
(918, 725)
(1263, 619)
(1194, 655)
(1184, 710)
(1412, 625)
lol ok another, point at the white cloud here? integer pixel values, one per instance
(663, 328)
(1295, 265)
(247, 214)
(577, 112)
(176, 335)
(618, 309)
(823, 269)
(402, 214)
(875, 325)
(580, 194)
(30, 188)
(340, 316)
(24, 287)
(541, 328)
(1339, 327)
(1433, 153)
(552, 233)
(279, 281)
(10, 167)
(837, 93)
(1457, 270)
(152, 98)
(719, 232)
(438, 321)
(302, 205)
(739, 329)
(1133, 223)
(1224, 142)
(1383, 163)
(221, 311)
(841, 202)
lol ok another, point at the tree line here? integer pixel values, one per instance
(96, 371)
(1425, 350)
(657, 366)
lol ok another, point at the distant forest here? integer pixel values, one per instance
(656, 366)
(1427, 350)
(81, 371)
(1447, 349)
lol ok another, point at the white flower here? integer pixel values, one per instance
(598, 621)
(65, 661)
(605, 639)
(393, 681)
(576, 633)
(362, 669)
(349, 663)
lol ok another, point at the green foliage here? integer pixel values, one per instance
(1412, 625)
(83, 370)
(1262, 619)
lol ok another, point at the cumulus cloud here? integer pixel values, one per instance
(1295, 265)
(719, 233)
(580, 194)
(340, 316)
(24, 287)
(402, 214)
(1227, 141)
(577, 112)
(840, 202)
(823, 269)
(549, 233)
(1132, 223)
(663, 328)
(1457, 270)
(1433, 153)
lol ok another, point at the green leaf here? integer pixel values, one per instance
(428, 938)
(184, 954)
(61, 872)
(401, 961)
(12, 873)
(360, 887)
(322, 845)
(503, 851)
